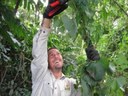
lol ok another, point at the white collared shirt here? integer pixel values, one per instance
(43, 81)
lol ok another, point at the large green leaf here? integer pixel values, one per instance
(121, 81)
(70, 25)
(96, 70)
(85, 89)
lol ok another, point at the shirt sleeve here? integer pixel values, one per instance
(39, 64)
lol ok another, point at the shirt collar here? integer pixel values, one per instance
(61, 78)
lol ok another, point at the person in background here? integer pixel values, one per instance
(46, 66)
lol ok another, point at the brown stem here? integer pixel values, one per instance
(20, 65)
(17, 5)
(3, 76)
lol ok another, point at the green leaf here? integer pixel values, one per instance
(114, 85)
(121, 81)
(89, 13)
(121, 59)
(70, 25)
(96, 70)
(104, 61)
(85, 88)
(11, 92)
(111, 69)
(25, 4)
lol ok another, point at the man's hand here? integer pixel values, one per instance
(92, 53)
(55, 7)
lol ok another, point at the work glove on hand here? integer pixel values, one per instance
(55, 7)
(92, 53)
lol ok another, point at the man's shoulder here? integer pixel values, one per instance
(72, 80)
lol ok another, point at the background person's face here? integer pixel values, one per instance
(55, 59)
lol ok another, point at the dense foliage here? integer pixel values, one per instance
(103, 22)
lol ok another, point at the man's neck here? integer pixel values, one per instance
(57, 73)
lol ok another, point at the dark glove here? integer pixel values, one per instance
(55, 7)
(92, 53)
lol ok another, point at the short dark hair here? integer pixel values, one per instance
(51, 48)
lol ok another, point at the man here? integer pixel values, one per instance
(46, 67)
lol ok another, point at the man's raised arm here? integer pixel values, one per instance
(39, 64)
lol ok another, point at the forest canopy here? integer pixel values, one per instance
(103, 22)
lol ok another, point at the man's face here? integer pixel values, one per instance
(55, 59)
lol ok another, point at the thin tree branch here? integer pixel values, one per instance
(3, 76)
(121, 8)
(17, 5)
(28, 59)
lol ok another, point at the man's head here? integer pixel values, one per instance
(55, 59)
